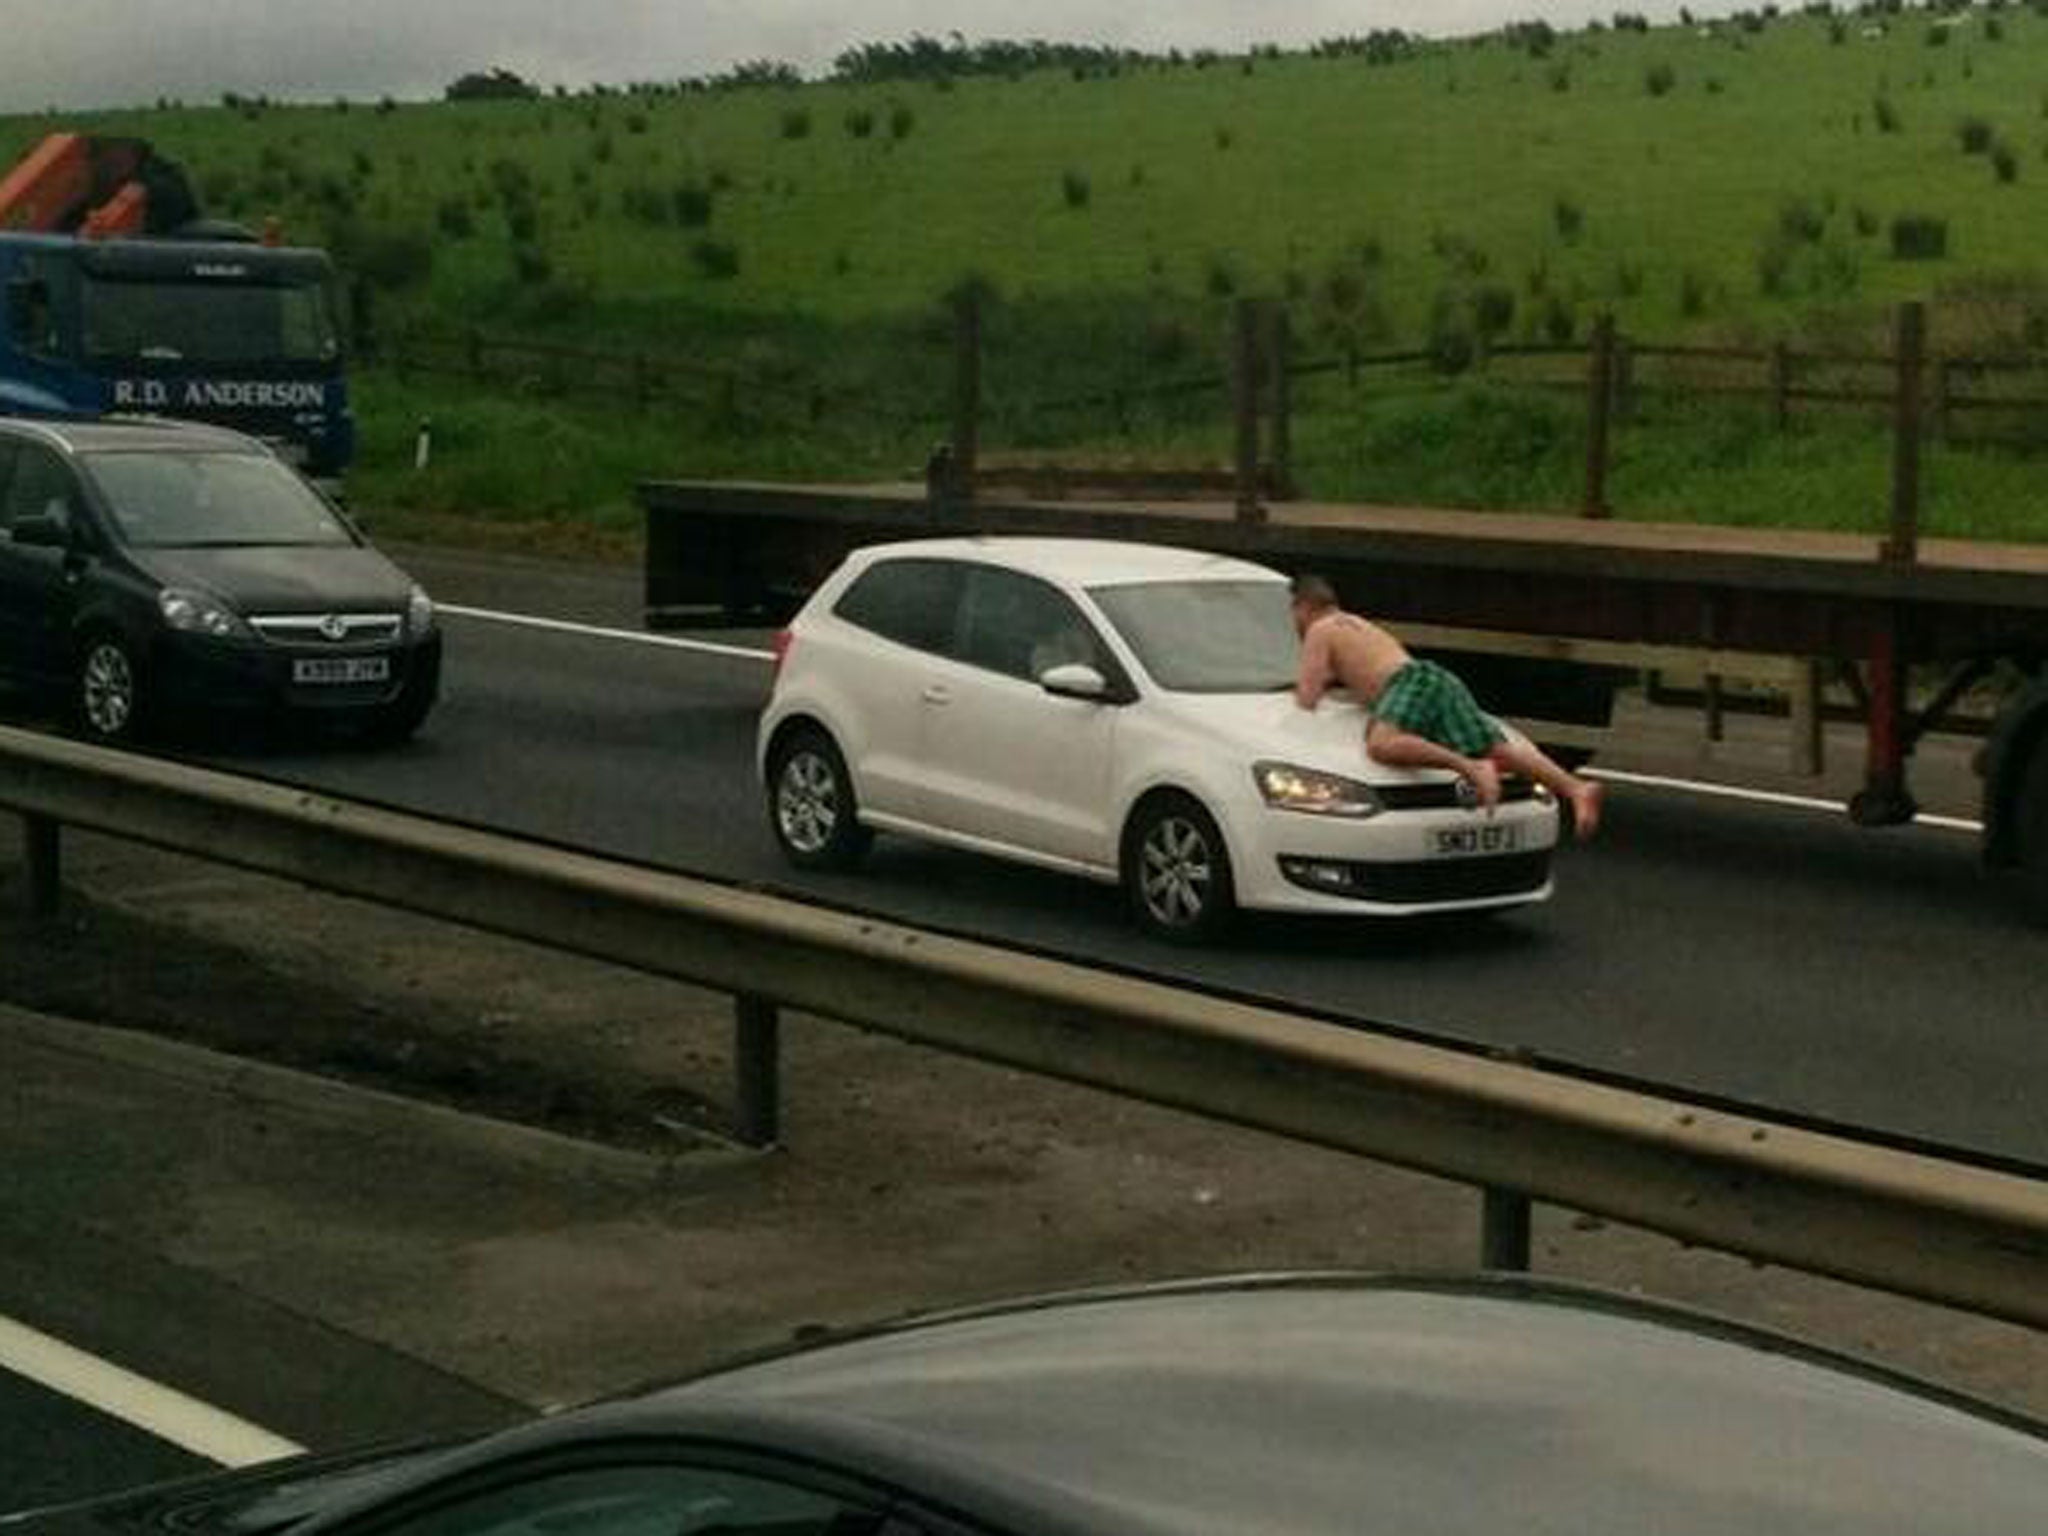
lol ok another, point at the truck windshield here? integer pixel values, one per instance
(211, 500)
(210, 322)
(1207, 636)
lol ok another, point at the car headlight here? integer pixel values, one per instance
(419, 612)
(1288, 788)
(197, 614)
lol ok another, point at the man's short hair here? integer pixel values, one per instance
(1314, 591)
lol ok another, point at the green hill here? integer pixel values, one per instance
(1722, 182)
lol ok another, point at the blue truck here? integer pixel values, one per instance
(120, 300)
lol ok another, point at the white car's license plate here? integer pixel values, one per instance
(1473, 841)
(342, 669)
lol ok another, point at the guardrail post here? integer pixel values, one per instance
(1599, 408)
(757, 1071)
(1902, 544)
(42, 851)
(1503, 1229)
(966, 388)
(1244, 378)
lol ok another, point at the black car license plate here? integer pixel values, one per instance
(1470, 842)
(342, 669)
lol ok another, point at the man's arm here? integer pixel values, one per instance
(1313, 680)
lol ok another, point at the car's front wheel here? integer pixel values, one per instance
(1176, 871)
(811, 808)
(107, 692)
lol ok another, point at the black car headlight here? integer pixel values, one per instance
(1286, 787)
(197, 614)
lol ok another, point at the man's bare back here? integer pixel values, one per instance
(1342, 650)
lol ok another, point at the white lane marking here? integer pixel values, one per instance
(1764, 797)
(161, 1411)
(599, 632)
(1613, 775)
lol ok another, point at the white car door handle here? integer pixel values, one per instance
(937, 693)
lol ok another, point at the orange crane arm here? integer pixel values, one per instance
(49, 190)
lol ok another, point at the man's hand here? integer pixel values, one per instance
(1314, 678)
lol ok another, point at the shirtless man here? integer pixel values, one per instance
(1422, 715)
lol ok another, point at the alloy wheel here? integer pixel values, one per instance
(107, 689)
(1176, 872)
(807, 802)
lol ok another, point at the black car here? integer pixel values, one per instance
(1284, 1406)
(150, 570)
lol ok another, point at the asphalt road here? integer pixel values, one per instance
(59, 1451)
(1768, 955)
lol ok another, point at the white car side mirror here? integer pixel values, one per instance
(1075, 680)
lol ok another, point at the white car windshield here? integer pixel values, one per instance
(217, 500)
(1206, 636)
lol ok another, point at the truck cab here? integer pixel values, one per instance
(236, 334)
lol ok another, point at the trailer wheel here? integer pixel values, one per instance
(2032, 820)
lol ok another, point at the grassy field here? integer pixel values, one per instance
(1723, 184)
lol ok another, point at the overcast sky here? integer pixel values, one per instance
(77, 53)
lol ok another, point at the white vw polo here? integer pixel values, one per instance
(1123, 712)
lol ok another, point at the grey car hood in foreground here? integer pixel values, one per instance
(299, 578)
(1298, 1406)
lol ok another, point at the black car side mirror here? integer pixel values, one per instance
(50, 529)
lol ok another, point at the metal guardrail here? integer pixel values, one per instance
(1945, 1232)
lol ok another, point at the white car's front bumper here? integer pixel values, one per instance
(1395, 863)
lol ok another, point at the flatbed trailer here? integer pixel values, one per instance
(1952, 611)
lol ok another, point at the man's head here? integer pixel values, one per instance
(1313, 597)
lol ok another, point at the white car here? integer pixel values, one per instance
(1123, 712)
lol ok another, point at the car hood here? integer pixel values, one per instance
(297, 579)
(1271, 726)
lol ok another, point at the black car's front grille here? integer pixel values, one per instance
(1425, 880)
(1444, 796)
(317, 629)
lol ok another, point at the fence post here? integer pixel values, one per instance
(1279, 355)
(757, 1071)
(1244, 378)
(1902, 543)
(474, 353)
(1781, 386)
(966, 388)
(1599, 406)
(1809, 740)
(1503, 1229)
(42, 850)
(1624, 380)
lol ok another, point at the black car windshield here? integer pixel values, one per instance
(1206, 636)
(222, 500)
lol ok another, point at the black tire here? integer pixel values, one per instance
(109, 703)
(1176, 871)
(811, 806)
(399, 721)
(2031, 818)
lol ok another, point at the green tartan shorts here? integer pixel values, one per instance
(1429, 701)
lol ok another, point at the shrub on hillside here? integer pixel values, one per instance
(796, 123)
(901, 121)
(1919, 237)
(643, 205)
(1659, 79)
(1076, 188)
(530, 265)
(1569, 218)
(1866, 221)
(1219, 277)
(860, 123)
(1559, 324)
(1225, 138)
(454, 219)
(386, 258)
(1975, 135)
(1801, 221)
(718, 259)
(1560, 78)
(636, 122)
(1884, 114)
(2005, 165)
(522, 221)
(1693, 294)
(693, 204)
